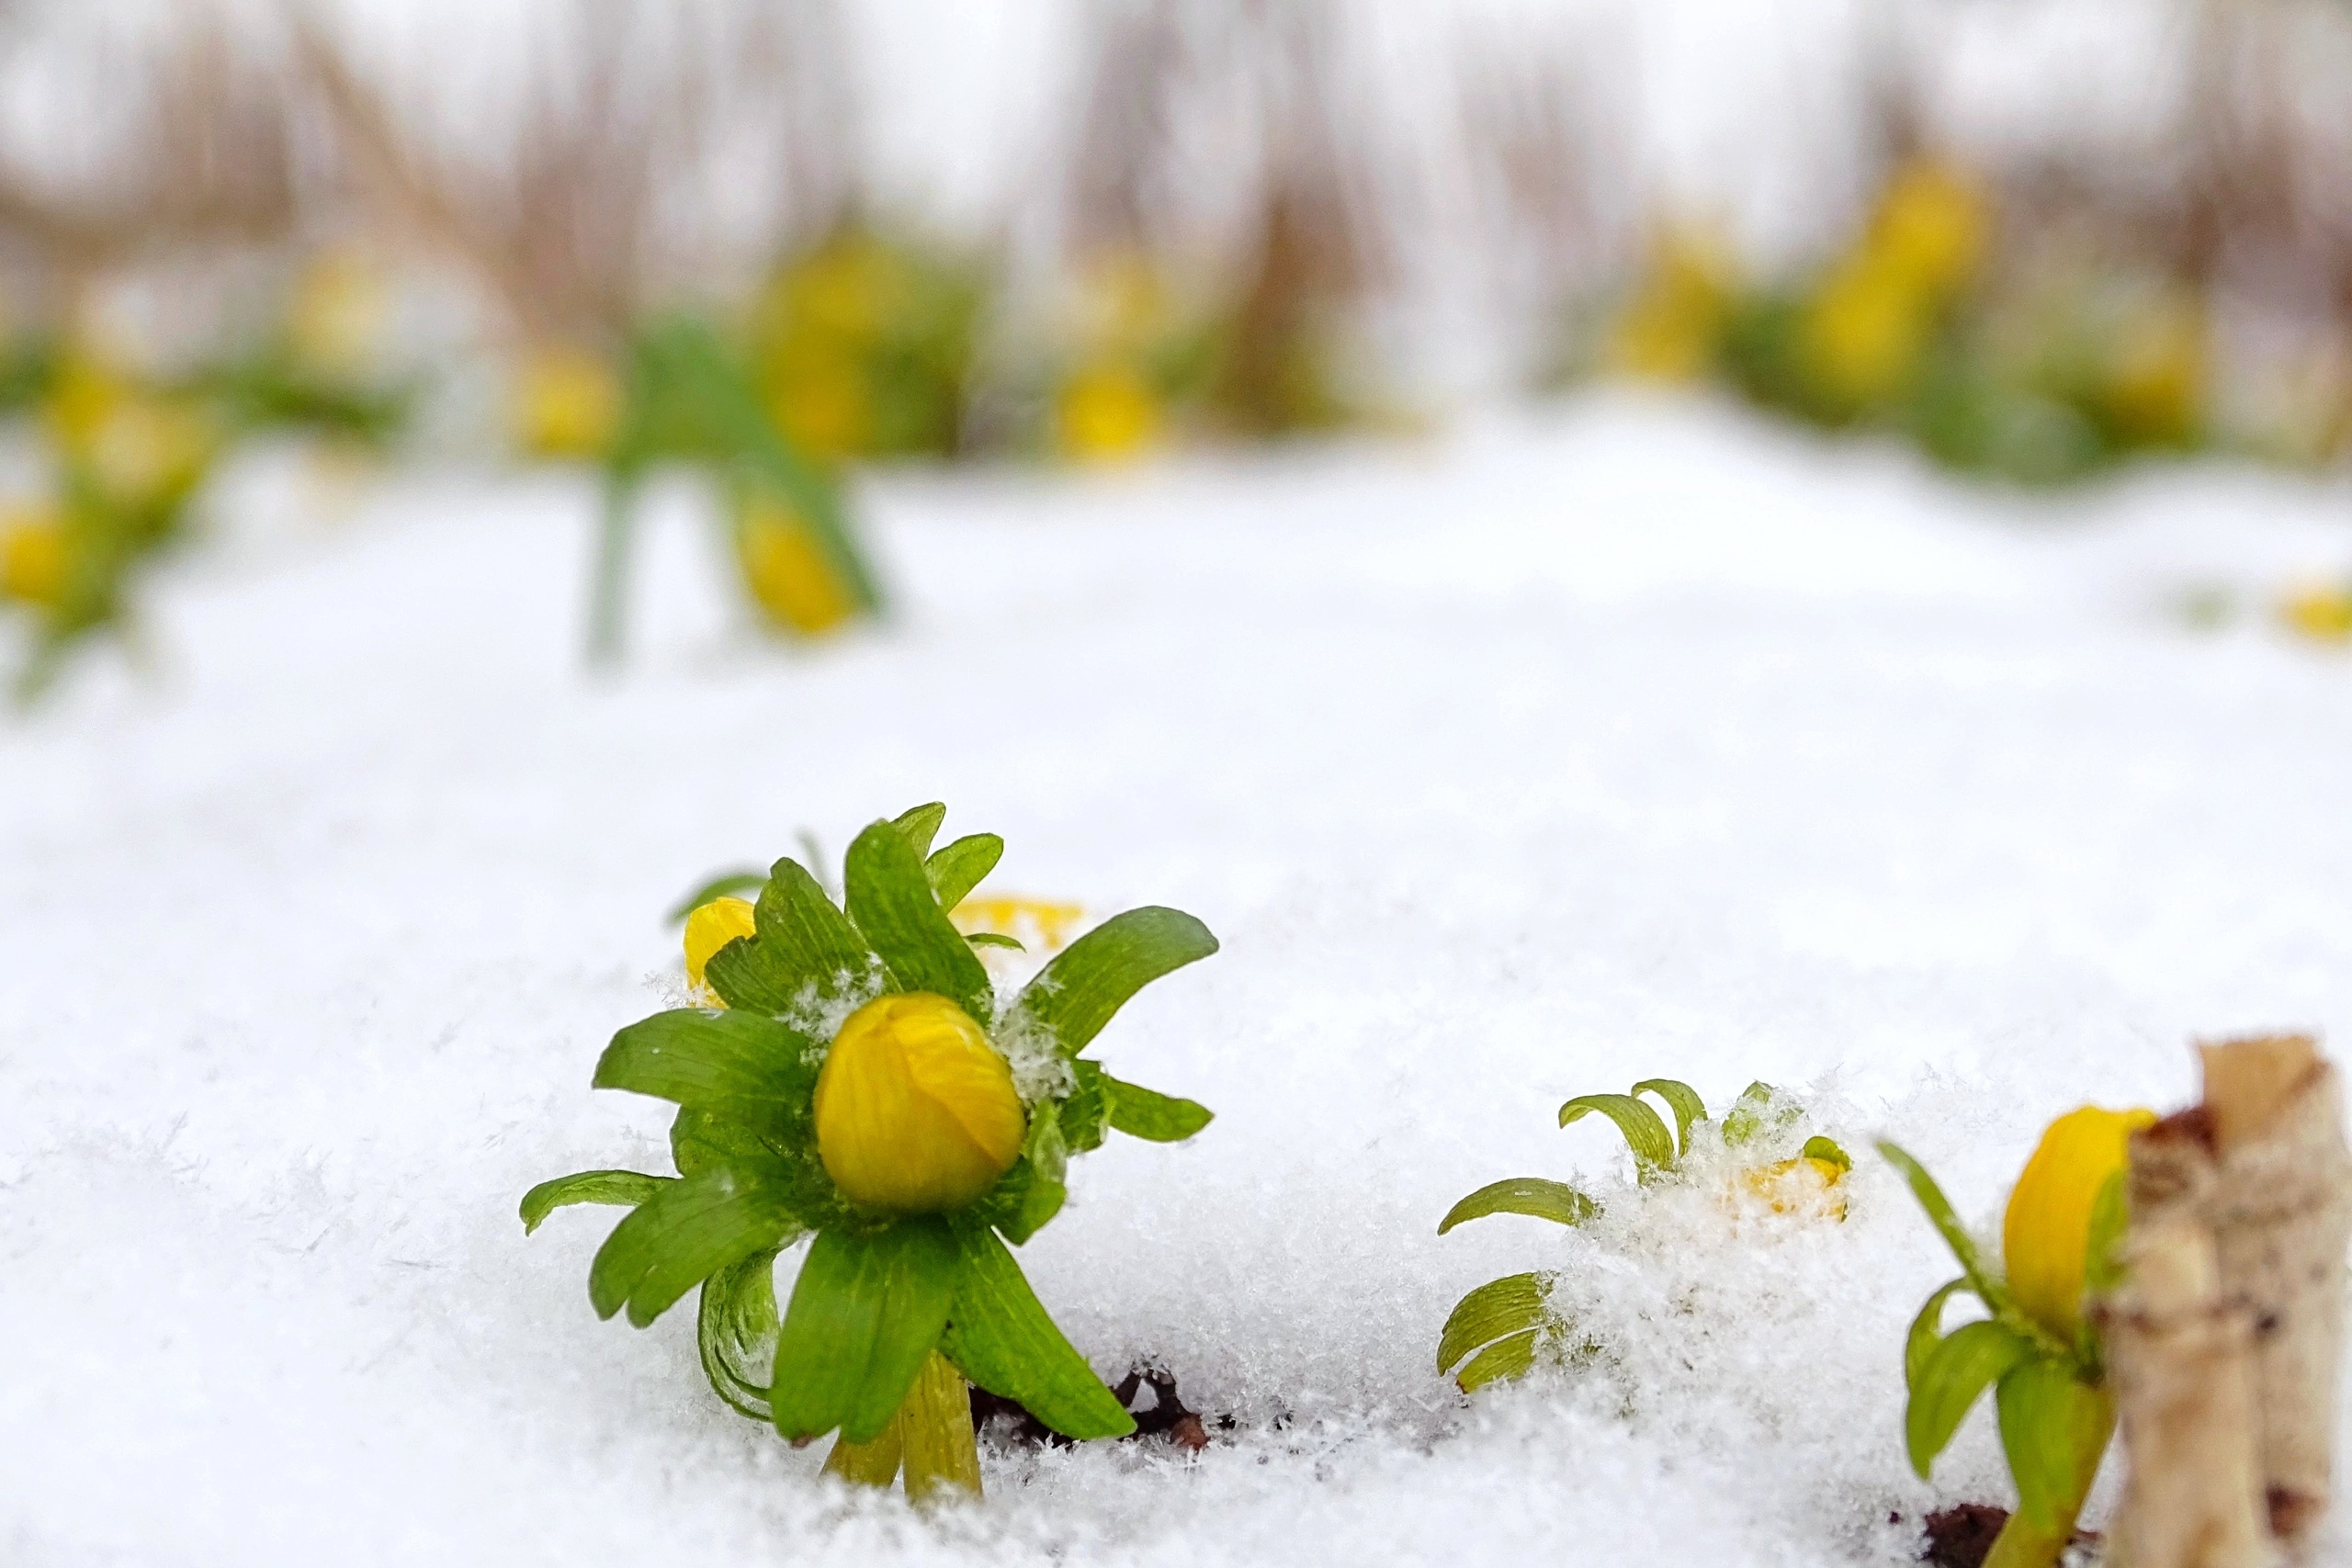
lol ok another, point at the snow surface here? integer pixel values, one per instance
(1636, 741)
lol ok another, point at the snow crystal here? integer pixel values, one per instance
(1525, 766)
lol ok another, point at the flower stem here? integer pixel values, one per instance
(2023, 1542)
(935, 1423)
(873, 1463)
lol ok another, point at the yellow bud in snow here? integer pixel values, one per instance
(2046, 1235)
(34, 559)
(788, 572)
(708, 929)
(567, 403)
(2321, 611)
(1807, 1185)
(915, 1110)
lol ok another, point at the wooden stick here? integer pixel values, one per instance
(2261, 1167)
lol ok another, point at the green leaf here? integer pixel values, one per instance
(921, 825)
(1004, 1341)
(1073, 997)
(1046, 1155)
(890, 900)
(1962, 1365)
(1154, 1117)
(2053, 1430)
(1927, 1332)
(958, 869)
(1828, 1152)
(2110, 1216)
(1939, 1214)
(624, 1187)
(864, 1312)
(1494, 1309)
(1545, 1200)
(682, 1235)
(728, 886)
(996, 939)
(802, 945)
(1503, 1360)
(1645, 1131)
(1086, 1111)
(700, 1142)
(740, 1065)
(736, 1319)
(1682, 1099)
(1759, 1109)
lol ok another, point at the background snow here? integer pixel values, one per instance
(1525, 764)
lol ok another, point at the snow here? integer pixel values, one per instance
(1633, 740)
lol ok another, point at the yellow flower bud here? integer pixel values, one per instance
(1930, 227)
(34, 559)
(2321, 611)
(787, 572)
(1108, 412)
(2046, 1233)
(567, 403)
(1671, 328)
(915, 1109)
(1807, 1185)
(708, 929)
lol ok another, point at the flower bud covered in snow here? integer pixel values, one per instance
(915, 1110)
(2046, 1236)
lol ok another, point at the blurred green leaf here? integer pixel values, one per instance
(1987, 1286)
(1157, 1118)
(1533, 1195)
(1643, 1129)
(1074, 995)
(2110, 1216)
(994, 939)
(1828, 1152)
(1759, 1109)
(1927, 1332)
(1003, 1341)
(864, 1313)
(2053, 1430)
(1494, 1309)
(1962, 1365)
(622, 1187)
(890, 900)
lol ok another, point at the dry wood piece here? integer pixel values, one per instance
(2260, 1169)
(2180, 1362)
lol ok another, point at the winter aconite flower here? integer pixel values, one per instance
(857, 1083)
(2320, 610)
(916, 1112)
(1509, 1322)
(2036, 1351)
(784, 567)
(567, 404)
(2045, 1236)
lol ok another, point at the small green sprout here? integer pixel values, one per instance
(1508, 1322)
(2039, 1350)
(857, 1083)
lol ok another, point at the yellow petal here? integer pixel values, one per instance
(916, 1111)
(1800, 1186)
(2047, 1230)
(708, 929)
(35, 561)
(787, 572)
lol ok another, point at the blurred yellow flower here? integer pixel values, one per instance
(2321, 611)
(1108, 412)
(2155, 388)
(567, 403)
(1672, 327)
(787, 569)
(709, 928)
(915, 1110)
(2045, 1236)
(34, 557)
(821, 398)
(1009, 915)
(336, 318)
(150, 453)
(1866, 331)
(1930, 227)
(82, 396)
